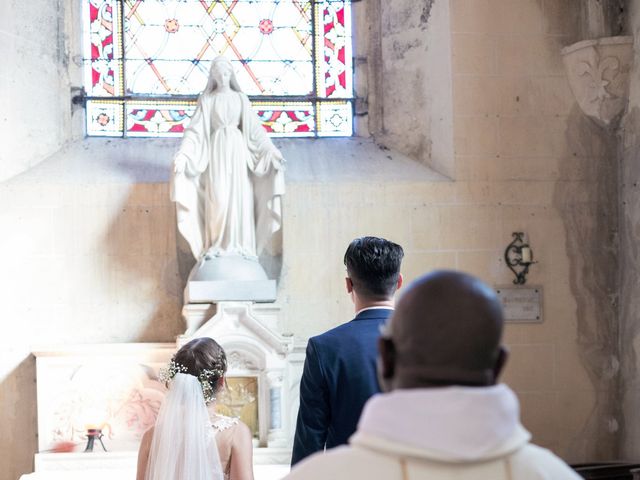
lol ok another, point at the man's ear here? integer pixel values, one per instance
(349, 284)
(400, 280)
(503, 354)
(387, 352)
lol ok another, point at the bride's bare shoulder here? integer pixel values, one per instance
(242, 433)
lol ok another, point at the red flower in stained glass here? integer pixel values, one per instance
(171, 25)
(103, 119)
(265, 26)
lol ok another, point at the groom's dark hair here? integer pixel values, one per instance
(373, 265)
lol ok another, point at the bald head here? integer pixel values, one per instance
(445, 330)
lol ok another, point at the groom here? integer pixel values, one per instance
(340, 367)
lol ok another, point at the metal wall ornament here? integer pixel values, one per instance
(519, 257)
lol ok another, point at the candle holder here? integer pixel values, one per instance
(519, 257)
(94, 434)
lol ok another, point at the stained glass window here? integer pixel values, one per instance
(146, 61)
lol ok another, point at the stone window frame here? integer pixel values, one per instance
(381, 42)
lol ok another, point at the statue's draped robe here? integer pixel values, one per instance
(228, 200)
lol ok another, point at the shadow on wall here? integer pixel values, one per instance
(147, 265)
(630, 285)
(586, 199)
(18, 444)
(141, 171)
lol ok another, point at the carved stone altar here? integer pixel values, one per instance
(116, 387)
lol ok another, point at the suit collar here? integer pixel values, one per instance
(371, 313)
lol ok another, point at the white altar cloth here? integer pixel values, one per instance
(116, 466)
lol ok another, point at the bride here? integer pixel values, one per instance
(189, 440)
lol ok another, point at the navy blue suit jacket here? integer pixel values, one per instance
(338, 378)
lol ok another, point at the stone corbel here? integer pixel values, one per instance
(598, 72)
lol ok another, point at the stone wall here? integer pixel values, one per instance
(85, 260)
(91, 254)
(413, 93)
(34, 84)
(516, 127)
(630, 258)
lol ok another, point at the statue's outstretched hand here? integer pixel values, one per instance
(180, 164)
(278, 160)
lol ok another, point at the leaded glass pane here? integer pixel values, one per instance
(103, 60)
(169, 45)
(334, 44)
(287, 119)
(150, 54)
(335, 119)
(147, 119)
(104, 118)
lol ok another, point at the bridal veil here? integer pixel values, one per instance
(184, 445)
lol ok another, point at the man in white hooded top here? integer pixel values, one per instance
(443, 416)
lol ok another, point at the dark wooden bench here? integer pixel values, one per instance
(608, 471)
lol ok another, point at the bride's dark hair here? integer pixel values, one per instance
(202, 355)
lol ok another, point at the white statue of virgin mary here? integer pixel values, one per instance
(228, 176)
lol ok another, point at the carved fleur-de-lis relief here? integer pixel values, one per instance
(598, 72)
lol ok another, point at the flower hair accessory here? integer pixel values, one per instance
(166, 374)
(205, 378)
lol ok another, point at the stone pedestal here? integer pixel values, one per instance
(227, 277)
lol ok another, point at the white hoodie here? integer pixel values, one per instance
(440, 433)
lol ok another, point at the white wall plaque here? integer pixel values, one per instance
(521, 304)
